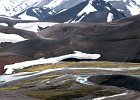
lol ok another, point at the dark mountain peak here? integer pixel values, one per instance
(40, 13)
(85, 10)
(88, 11)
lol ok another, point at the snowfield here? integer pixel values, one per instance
(33, 26)
(88, 9)
(24, 16)
(110, 17)
(77, 54)
(11, 38)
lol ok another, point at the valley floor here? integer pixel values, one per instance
(71, 81)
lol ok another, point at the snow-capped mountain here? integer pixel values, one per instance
(128, 7)
(88, 11)
(12, 7)
(52, 7)
(70, 10)
(84, 10)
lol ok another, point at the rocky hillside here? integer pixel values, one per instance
(115, 41)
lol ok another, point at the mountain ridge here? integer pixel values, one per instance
(101, 10)
(48, 9)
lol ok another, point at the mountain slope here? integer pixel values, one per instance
(42, 11)
(12, 7)
(115, 41)
(85, 10)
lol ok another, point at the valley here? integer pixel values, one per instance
(70, 78)
(70, 50)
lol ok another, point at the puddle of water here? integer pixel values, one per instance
(83, 79)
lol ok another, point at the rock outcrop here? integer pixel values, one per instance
(118, 80)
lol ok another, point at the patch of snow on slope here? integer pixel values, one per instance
(24, 16)
(27, 26)
(77, 54)
(62, 11)
(79, 19)
(54, 3)
(33, 26)
(120, 10)
(107, 8)
(5, 6)
(88, 9)
(134, 10)
(11, 38)
(137, 2)
(10, 8)
(109, 17)
(69, 21)
(3, 24)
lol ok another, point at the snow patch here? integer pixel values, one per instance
(33, 26)
(54, 3)
(134, 9)
(3, 24)
(88, 9)
(77, 54)
(107, 8)
(11, 38)
(109, 17)
(137, 2)
(13, 7)
(24, 16)
(62, 11)
(120, 10)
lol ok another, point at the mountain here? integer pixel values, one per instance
(128, 7)
(43, 10)
(88, 11)
(70, 10)
(115, 41)
(13, 7)
(84, 10)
